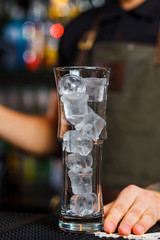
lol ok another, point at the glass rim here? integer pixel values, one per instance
(87, 68)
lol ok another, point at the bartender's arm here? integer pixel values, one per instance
(135, 210)
(36, 134)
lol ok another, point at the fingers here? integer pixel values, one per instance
(107, 208)
(133, 215)
(119, 208)
(148, 219)
(142, 215)
(136, 209)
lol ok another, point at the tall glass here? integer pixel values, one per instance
(82, 93)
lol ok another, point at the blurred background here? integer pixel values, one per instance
(30, 31)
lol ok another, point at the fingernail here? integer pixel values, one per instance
(138, 229)
(109, 227)
(124, 229)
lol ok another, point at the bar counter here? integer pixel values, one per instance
(28, 226)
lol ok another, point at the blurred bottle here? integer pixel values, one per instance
(13, 98)
(51, 47)
(42, 99)
(28, 99)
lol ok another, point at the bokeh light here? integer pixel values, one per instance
(57, 30)
(29, 56)
(31, 60)
(28, 30)
(57, 2)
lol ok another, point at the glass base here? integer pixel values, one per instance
(78, 225)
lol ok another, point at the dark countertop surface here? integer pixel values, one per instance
(28, 226)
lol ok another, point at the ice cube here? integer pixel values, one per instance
(75, 141)
(71, 83)
(75, 107)
(77, 163)
(81, 182)
(92, 124)
(84, 204)
(95, 88)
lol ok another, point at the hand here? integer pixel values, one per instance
(136, 209)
